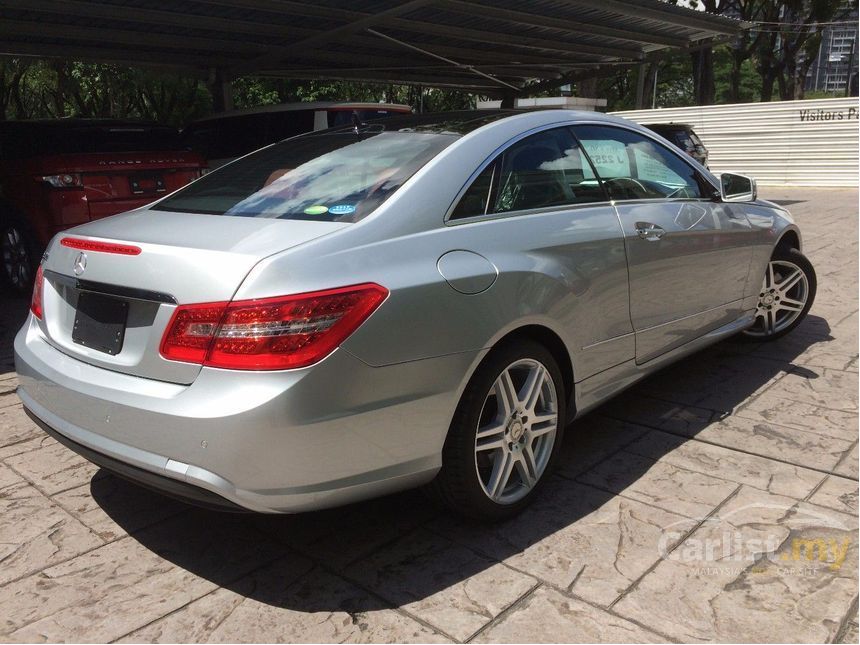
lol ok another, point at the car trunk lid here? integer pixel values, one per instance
(110, 306)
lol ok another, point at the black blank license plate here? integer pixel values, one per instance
(100, 322)
(146, 184)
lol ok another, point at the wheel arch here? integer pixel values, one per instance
(553, 342)
(790, 239)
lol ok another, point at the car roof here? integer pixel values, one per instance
(462, 122)
(673, 126)
(453, 123)
(307, 105)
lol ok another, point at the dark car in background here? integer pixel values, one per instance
(58, 173)
(228, 135)
(683, 136)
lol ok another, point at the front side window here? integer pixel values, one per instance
(329, 176)
(545, 169)
(634, 167)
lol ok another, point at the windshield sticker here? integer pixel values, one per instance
(317, 209)
(342, 209)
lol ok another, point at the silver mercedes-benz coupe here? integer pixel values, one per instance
(426, 300)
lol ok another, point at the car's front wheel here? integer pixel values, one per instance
(787, 293)
(505, 434)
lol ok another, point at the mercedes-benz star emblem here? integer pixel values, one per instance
(80, 263)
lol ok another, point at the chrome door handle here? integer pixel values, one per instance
(648, 231)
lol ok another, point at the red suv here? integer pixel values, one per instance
(62, 172)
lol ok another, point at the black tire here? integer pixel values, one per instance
(758, 332)
(457, 485)
(19, 256)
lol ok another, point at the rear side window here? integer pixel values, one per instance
(327, 176)
(632, 166)
(545, 169)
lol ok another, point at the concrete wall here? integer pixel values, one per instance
(784, 143)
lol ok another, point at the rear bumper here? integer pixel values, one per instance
(175, 488)
(289, 441)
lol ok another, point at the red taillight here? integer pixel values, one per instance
(191, 331)
(99, 247)
(36, 300)
(68, 180)
(271, 333)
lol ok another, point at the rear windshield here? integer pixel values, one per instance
(331, 176)
(682, 139)
(18, 141)
(695, 138)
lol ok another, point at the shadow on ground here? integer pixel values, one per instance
(402, 531)
(788, 202)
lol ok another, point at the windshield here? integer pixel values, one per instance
(334, 176)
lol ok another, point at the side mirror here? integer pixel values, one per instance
(737, 188)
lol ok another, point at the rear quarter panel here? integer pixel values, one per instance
(565, 269)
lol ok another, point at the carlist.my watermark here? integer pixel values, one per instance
(749, 538)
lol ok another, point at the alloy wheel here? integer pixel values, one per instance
(16, 259)
(516, 431)
(783, 297)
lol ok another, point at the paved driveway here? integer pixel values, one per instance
(653, 529)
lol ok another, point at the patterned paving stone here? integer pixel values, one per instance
(715, 382)
(36, 533)
(732, 592)
(16, 426)
(41, 440)
(111, 591)
(848, 466)
(660, 484)
(133, 506)
(53, 468)
(768, 439)
(576, 538)
(657, 413)
(341, 536)
(548, 616)
(850, 634)
(837, 493)
(827, 388)
(8, 477)
(442, 583)
(769, 408)
(591, 439)
(266, 607)
(739, 467)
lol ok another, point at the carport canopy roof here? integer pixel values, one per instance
(485, 46)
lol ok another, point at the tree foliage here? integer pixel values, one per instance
(31, 88)
(768, 61)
